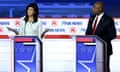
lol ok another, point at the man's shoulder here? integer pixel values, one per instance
(91, 18)
(107, 16)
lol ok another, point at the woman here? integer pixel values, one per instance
(30, 24)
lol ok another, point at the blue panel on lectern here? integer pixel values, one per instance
(25, 53)
(85, 54)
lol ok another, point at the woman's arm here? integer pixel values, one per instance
(42, 35)
(16, 32)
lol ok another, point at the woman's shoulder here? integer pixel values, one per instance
(22, 18)
(38, 20)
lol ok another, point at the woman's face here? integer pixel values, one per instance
(30, 11)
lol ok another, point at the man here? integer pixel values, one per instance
(102, 25)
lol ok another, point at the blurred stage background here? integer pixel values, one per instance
(57, 8)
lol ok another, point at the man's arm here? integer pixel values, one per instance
(89, 28)
(111, 30)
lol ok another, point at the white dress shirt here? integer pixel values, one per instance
(99, 18)
(30, 29)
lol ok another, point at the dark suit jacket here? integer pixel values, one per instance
(105, 30)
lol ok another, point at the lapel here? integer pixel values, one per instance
(100, 24)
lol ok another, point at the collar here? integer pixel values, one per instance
(100, 15)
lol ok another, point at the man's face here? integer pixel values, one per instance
(98, 8)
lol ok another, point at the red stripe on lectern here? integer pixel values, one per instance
(84, 39)
(57, 36)
(4, 36)
(23, 39)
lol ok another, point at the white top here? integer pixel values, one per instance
(99, 18)
(31, 29)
